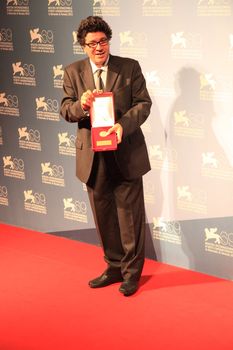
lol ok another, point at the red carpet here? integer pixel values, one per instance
(46, 304)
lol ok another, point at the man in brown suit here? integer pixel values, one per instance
(113, 178)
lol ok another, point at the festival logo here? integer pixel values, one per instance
(191, 199)
(178, 40)
(60, 8)
(47, 108)
(218, 242)
(52, 174)
(29, 139)
(41, 41)
(106, 8)
(58, 74)
(207, 86)
(66, 144)
(216, 166)
(75, 210)
(77, 48)
(159, 84)
(161, 8)
(214, 8)
(163, 158)
(9, 105)
(18, 7)
(13, 167)
(6, 41)
(153, 79)
(34, 201)
(208, 159)
(4, 196)
(24, 74)
(168, 231)
(216, 88)
(133, 44)
(186, 46)
(188, 125)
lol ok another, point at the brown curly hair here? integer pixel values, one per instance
(92, 24)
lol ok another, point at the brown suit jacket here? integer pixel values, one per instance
(132, 107)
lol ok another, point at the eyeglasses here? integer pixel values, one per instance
(94, 44)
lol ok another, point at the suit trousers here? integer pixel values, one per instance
(119, 213)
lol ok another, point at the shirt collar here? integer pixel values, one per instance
(95, 68)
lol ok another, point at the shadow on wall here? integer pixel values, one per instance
(203, 166)
(200, 187)
(200, 191)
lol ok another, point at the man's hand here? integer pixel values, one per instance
(86, 100)
(118, 130)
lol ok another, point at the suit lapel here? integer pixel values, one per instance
(87, 76)
(88, 79)
(113, 72)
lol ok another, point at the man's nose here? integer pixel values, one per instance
(98, 46)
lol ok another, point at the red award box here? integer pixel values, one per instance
(103, 118)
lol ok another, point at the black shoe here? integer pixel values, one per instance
(105, 280)
(129, 288)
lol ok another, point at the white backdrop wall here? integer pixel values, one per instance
(185, 49)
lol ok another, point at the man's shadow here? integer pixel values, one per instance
(191, 132)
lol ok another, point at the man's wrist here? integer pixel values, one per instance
(85, 112)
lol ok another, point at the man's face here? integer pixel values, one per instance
(100, 52)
